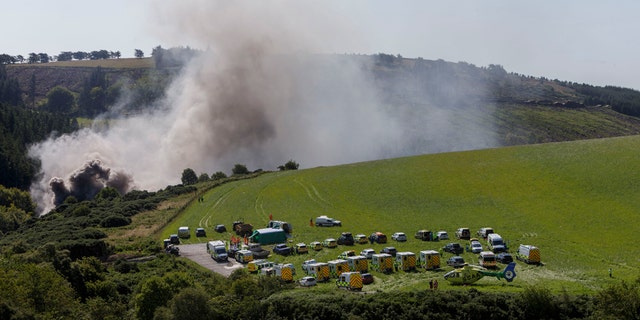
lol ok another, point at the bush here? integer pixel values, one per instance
(115, 221)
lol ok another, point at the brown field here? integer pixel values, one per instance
(123, 63)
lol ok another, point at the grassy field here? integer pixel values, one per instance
(577, 201)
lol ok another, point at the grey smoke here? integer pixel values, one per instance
(258, 96)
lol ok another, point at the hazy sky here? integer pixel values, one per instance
(579, 40)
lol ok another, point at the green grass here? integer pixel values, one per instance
(577, 201)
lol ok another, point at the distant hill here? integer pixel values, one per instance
(521, 109)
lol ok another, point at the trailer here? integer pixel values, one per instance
(268, 236)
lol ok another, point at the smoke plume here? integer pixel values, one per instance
(258, 96)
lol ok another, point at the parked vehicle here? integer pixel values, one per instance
(285, 226)
(244, 256)
(345, 254)
(200, 232)
(301, 248)
(405, 261)
(316, 245)
(218, 250)
(367, 278)
(361, 239)
(456, 262)
(242, 229)
(258, 251)
(330, 243)
(484, 232)
(220, 228)
(320, 271)
(504, 257)
(529, 254)
(442, 235)
(306, 264)
(399, 236)
(475, 246)
(174, 239)
(487, 259)
(382, 262)
(389, 250)
(463, 234)
(183, 232)
(424, 235)
(358, 263)
(255, 266)
(367, 253)
(282, 249)
(378, 237)
(346, 239)
(308, 281)
(337, 267)
(284, 271)
(496, 244)
(172, 249)
(324, 221)
(429, 259)
(453, 247)
(350, 281)
(268, 236)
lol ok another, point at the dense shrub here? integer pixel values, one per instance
(115, 221)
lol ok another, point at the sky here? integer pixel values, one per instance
(583, 41)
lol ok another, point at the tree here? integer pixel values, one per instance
(290, 165)
(44, 58)
(33, 58)
(189, 177)
(203, 177)
(60, 99)
(240, 169)
(139, 54)
(218, 175)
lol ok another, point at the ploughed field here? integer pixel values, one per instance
(579, 202)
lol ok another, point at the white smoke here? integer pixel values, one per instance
(257, 96)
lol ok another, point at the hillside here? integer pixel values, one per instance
(576, 201)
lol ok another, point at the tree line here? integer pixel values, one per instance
(41, 57)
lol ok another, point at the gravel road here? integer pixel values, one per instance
(198, 253)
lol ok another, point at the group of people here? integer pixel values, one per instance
(433, 284)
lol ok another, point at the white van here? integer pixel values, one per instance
(324, 221)
(183, 232)
(496, 244)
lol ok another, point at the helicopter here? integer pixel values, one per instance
(469, 274)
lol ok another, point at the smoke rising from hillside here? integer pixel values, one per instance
(258, 96)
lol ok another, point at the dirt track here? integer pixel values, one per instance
(198, 253)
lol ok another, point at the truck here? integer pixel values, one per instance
(350, 281)
(244, 256)
(529, 254)
(268, 236)
(320, 271)
(405, 261)
(429, 259)
(284, 271)
(382, 262)
(337, 267)
(358, 263)
(218, 250)
(487, 259)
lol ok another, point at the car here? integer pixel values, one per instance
(361, 239)
(504, 257)
(316, 245)
(378, 237)
(330, 243)
(399, 236)
(301, 248)
(389, 250)
(220, 228)
(367, 253)
(174, 239)
(308, 281)
(346, 239)
(367, 278)
(200, 232)
(475, 247)
(484, 232)
(282, 249)
(453, 247)
(456, 261)
(442, 235)
(345, 254)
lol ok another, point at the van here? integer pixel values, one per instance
(463, 233)
(496, 244)
(218, 250)
(324, 221)
(529, 254)
(487, 259)
(183, 232)
(424, 235)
